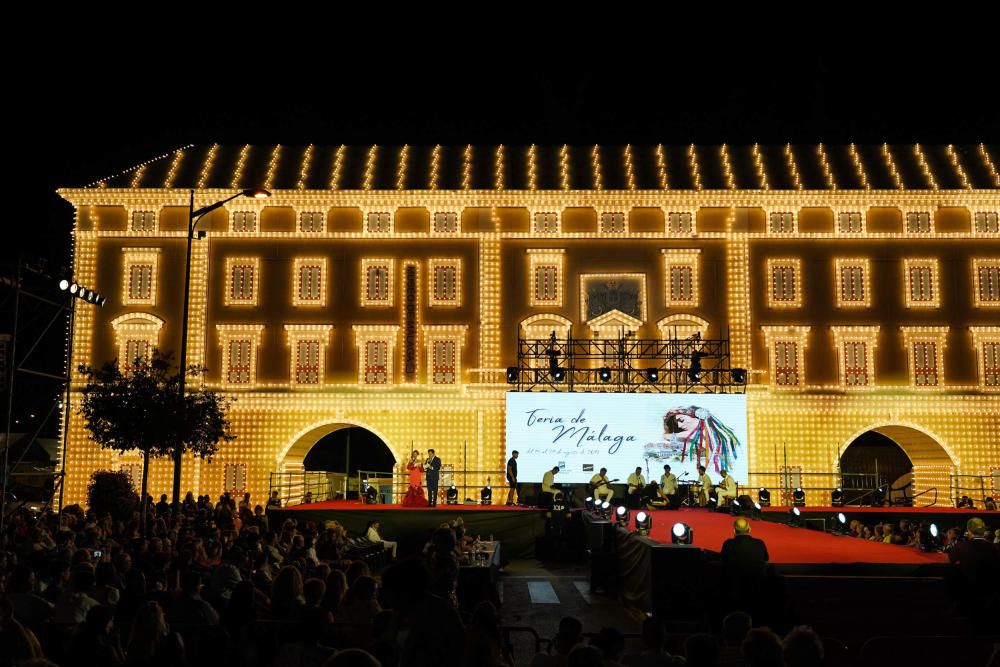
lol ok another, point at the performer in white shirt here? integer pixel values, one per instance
(549, 489)
(636, 484)
(373, 536)
(668, 487)
(601, 486)
(705, 483)
(727, 488)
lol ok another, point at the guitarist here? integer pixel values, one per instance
(600, 486)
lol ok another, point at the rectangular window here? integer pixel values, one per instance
(852, 282)
(140, 283)
(443, 362)
(850, 222)
(856, 363)
(546, 283)
(680, 223)
(681, 277)
(378, 223)
(786, 363)
(143, 221)
(139, 276)
(785, 289)
(376, 369)
(921, 283)
(242, 283)
(307, 367)
(612, 223)
(545, 223)
(309, 284)
(136, 351)
(987, 282)
(234, 479)
(311, 222)
(245, 221)
(991, 363)
(987, 222)
(545, 276)
(445, 223)
(240, 361)
(782, 223)
(445, 275)
(925, 365)
(918, 222)
(377, 283)
(681, 283)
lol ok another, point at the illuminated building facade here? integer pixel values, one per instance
(385, 288)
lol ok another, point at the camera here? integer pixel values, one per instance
(98, 553)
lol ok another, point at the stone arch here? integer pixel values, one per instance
(684, 324)
(294, 452)
(542, 324)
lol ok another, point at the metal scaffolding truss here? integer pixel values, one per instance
(626, 364)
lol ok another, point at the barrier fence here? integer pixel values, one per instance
(392, 487)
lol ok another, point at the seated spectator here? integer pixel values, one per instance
(654, 653)
(190, 608)
(97, 644)
(373, 536)
(701, 650)
(569, 636)
(762, 648)
(73, 605)
(735, 627)
(802, 648)
(287, 598)
(360, 606)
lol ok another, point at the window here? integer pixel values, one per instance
(243, 273)
(376, 282)
(613, 223)
(852, 283)
(546, 285)
(143, 221)
(444, 344)
(309, 281)
(136, 352)
(375, 353)
(986, 222)
(850, 222)
(855, 348)
(136, 335)
(139, 276)
(311, 222)
(680, 222)
(987, 343)
(378, 223)
(681, 274)
(785, 348)
(443, 362)
(308, 347)
(987, 282)
(445, 278)
(781, 222)
(785, 290)
(239, 351)
(234, 479)
(918, 222)
(245, 222)
(921, 283)
(545, 223)
(444, 222)
(926, 347)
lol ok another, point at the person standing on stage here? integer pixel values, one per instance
(636, 484)
(706, 486)
(415, 495)
(601, 486)
(549, 489)
(668, 487)
(512, 478)
(727, 487)
(432, 467)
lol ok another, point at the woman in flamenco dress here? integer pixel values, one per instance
(415, 495)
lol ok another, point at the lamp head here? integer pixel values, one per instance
(257, 193)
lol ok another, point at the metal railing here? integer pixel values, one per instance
(393, 486)
(307, 486)
(819, 486)
(976, 487)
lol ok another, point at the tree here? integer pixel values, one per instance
(111, 492)
(140, 408)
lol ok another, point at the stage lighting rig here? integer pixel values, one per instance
(606, 510)
(764, 497)
(839, 524)
(878, 497)
(799, 497)
(370, 494)
(739, 375)
(451, 495)
(795, 517)
(643, 522)
(930, 537)
(622, 516)
(735, 507)
(604, 373)
(694, 369)
(486, 496)
(756, 512)
(79, 292)
(713, 501)
(837, 497)
(512, 374)
(681, 533)
(588, 503)
(653, 374)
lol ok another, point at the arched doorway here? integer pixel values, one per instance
(909, 461)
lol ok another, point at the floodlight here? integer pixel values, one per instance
(764, 497)
(681, 533)
(622, 516)
(643, 523)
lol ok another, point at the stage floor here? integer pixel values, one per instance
(786, 544)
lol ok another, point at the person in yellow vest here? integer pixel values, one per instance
(601, 486)
(727, 488)
(668, 487)
(636, 484)
(705, 486)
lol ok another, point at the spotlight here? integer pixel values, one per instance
(103, 300)
(878, 497)
(74, 288)
(795, 517)
(371, 494)
(622, 516)
(604, 373)
(588, 503)
(256, 193)
(734, 507)
(643, 523)
(605, 510)
(694, 370)
(764, 497)
(739, 375)
(713, 501)
(558, 374)
(64, 284)
(930, 538)
(84, 292)
(681, 533)
(839, 524)
(756, 512)
(486, 496)
(837, 497)
(451, 495)
(653, 374)
(799, 497)
(512, 374)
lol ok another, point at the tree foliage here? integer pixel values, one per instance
(141, 409)
(111, 492)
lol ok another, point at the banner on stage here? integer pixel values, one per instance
(584, 432)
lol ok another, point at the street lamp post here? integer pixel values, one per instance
(194, 217)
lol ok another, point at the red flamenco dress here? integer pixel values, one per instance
(415, 496)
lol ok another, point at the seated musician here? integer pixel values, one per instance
(727, 487)
(636, 485)
(600, 486)
(668, 488)
(704, 486)
(549, 488)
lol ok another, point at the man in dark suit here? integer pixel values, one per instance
(433, 470)
(977, 564)
(744, 566)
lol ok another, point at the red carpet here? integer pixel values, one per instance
(885, 510)
(342, 505)
(786, 544)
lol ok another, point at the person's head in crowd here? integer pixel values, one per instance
(100, 620)
(336, 588)
(149, 628)
(364, 589)
(352, 657)
(802, 648)
(701, 650)
(83, 578)
(356, 569)
(735, 627)
(405, 584)
(22, 579)
(741, 527)
(762, 648)
(286, 591)
(20, 644)
(975, 527)
(585, 656)
(611, 644)
(313, 590)
(570, 634)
